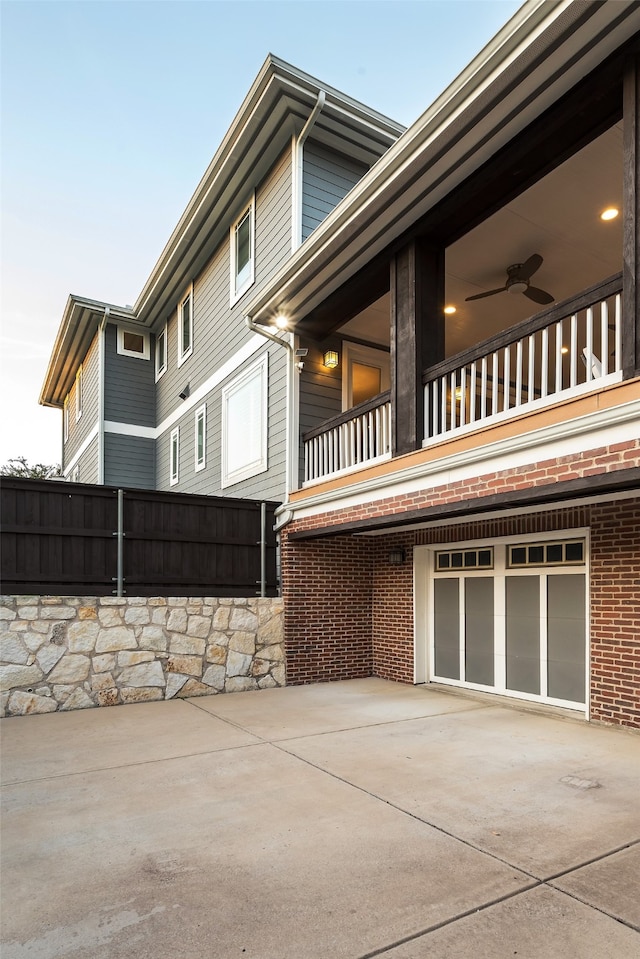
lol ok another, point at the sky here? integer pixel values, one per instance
(111, 110)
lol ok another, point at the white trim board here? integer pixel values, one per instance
(196, 398)
(615, 425)
(84, 446)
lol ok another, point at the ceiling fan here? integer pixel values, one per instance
(518, 276)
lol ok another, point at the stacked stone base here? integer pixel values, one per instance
(64, 653)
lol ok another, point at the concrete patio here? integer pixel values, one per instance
(351, 819)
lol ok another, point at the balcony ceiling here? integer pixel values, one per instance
(559, 218)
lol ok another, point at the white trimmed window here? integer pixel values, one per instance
(161, 352)
(243, 252)
(79, 394)
(244, 424)
(65, 418)
(133, 343)
(185, 326)
(174, 456)
(201, 437)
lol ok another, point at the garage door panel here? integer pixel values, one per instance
(479, 630)
(566, 637)
(523, 633)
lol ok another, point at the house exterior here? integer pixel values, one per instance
(470, 508)
(176, 392)
(452, 358)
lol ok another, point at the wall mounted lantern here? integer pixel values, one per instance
(396, 557)
(331, 359)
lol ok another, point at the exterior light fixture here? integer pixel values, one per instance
(330, 359)
(397, 557)
(184, 392)
(449, 310)
(564, 350)
(281, 322)
(610, 213)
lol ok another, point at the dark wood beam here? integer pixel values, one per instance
(417, 336)
(551, 494)
(631, 226)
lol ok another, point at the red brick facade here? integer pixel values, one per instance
(349, 613)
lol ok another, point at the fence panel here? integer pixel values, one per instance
(61, 539)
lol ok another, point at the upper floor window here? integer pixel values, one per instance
(244, 424)
(132, 343)
(201, 437)
(161, 352)
(79, 393)
(65, 418)
(185, 326)
(174, 456)
(243, 252)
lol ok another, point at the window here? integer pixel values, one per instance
(244, 424)
(365, 373)
(174, 455)
(161, 352)
(566, 553)
(185, 327)
(79, 392)
(65, 418)
(201, 437)
(242, 252)
(132, 343)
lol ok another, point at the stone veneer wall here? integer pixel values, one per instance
(62, 653)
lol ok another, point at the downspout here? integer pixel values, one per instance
(291, 424)
(296, 206)
(102, 362)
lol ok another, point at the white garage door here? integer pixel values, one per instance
(511, 617)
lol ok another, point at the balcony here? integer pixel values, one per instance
(563, 352)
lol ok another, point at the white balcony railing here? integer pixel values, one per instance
(361, 436)
(568, 350)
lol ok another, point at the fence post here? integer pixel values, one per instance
(263, 549)
(120, 546)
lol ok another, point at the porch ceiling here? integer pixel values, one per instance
(559, 218)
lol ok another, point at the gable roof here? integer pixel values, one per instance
(274, 110)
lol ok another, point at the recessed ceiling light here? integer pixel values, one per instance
(610, 213)
(449, 309)
(564, 349)
(281, 322)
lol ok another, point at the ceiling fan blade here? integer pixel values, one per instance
(480, 296)
(538, 296)
(528, 268)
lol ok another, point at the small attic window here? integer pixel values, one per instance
(132, 343)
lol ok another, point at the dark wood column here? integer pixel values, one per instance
(417, 336)
(631, 226)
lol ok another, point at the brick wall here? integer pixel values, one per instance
(327, 592)
(615, 613)
(366, 605)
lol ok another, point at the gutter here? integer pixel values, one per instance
(291, 433)
(101, 385)
(298, 152)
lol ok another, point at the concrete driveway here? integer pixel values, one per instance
(350, 819)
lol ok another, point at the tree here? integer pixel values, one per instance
(18, 466)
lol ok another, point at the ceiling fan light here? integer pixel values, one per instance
(517, 286)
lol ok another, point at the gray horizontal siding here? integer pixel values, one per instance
(267, 485)
(78, 431)
(129, 461)
(219, 330)
(88, 463)
(320, 395)
(326, 179)
(129, 385)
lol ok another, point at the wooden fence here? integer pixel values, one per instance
(70, 539)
